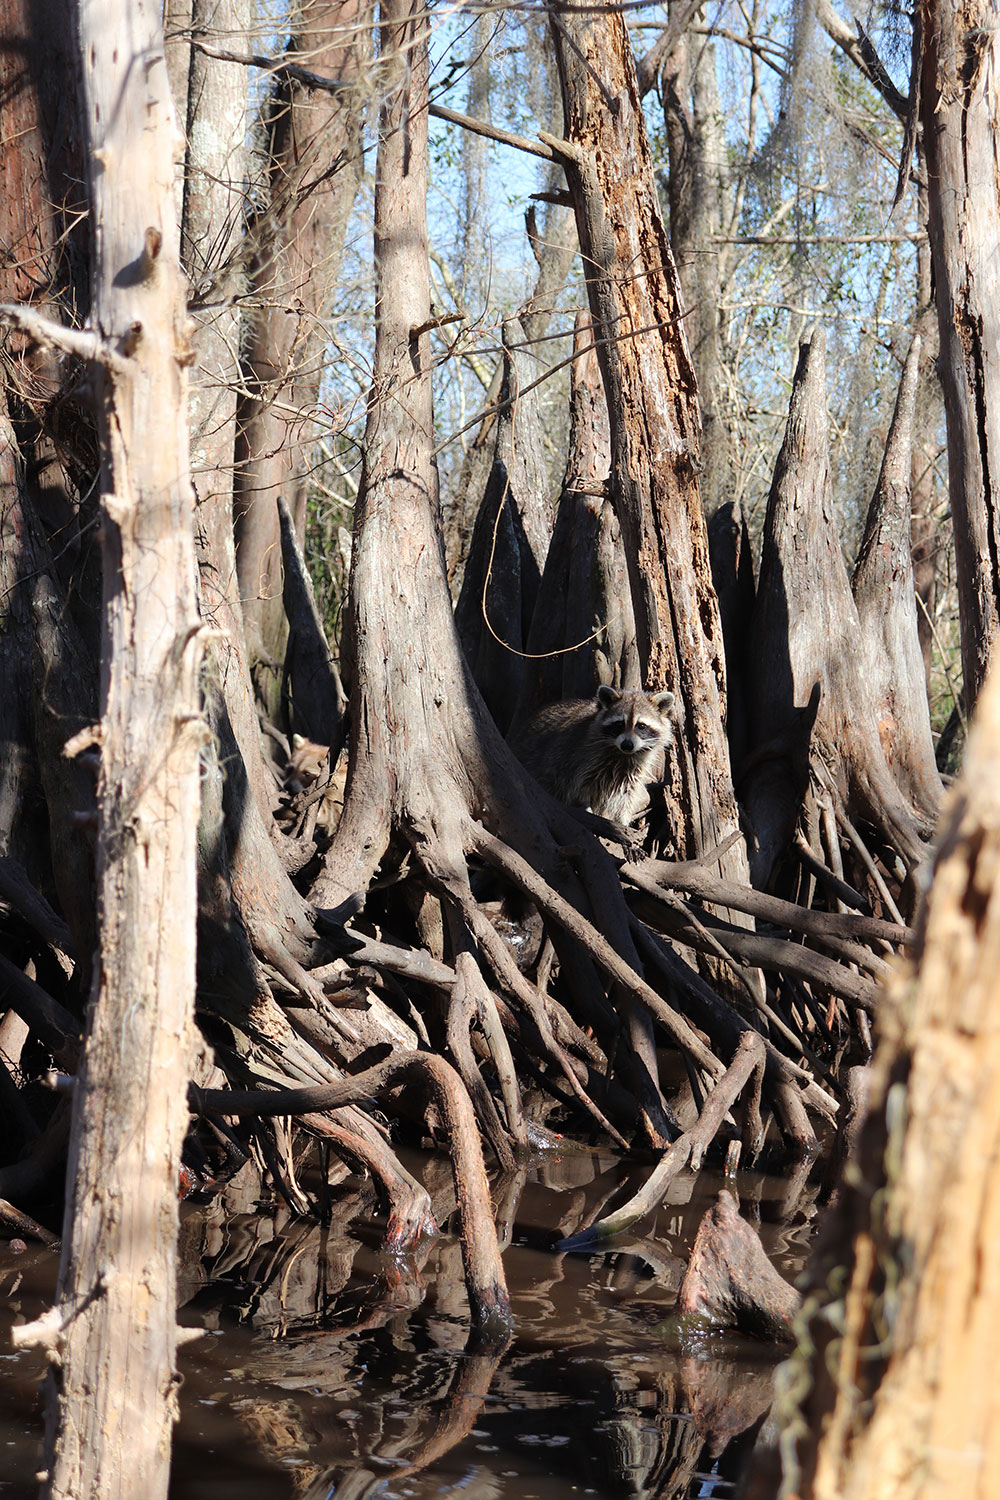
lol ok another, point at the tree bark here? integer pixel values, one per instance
(509, 543)
(807, 647)
(960, 108)
(315, 165)
(652, 400)
(582, 631)
(698, 190)
(901, 1400)
(883, 590)
(110, 1434)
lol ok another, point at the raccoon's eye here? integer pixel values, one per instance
(614, 727)
(646, 732)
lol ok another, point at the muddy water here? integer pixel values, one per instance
(326, 1369)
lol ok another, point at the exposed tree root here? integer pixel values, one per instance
(689, 1149)
(484, 1270)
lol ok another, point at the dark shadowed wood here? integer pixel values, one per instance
(509, 541)
(732, 575)
(583, 630)
(807, 646)
(312, 683)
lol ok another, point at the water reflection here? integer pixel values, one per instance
(332, 1372)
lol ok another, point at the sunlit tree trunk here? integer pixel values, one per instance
(960, 105)
(314, 170)
(902, 1400)
(110, 1435)
(636, 306)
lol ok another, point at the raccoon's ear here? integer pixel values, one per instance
(608, 696)
(663, 702)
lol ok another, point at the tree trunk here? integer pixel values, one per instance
(417, 725)
(902, 1400)
(315, 165)
(110, 1435)
(653, 404)
(582, 631)
(698, 189)
(808, 650)
(510, 539)
(960, 107)
(883, 590)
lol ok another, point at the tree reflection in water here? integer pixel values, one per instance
(345, 1373)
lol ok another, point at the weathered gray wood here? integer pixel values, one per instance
(116, 1302)
(808, 653)
(960, 110)
(891, 660)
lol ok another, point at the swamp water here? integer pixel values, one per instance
(330, 1371)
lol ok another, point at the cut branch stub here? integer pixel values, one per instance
(884, 594)
(807, 645)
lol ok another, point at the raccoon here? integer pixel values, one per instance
(308, 765)
(599, 753)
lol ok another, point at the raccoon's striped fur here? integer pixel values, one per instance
(599, 753)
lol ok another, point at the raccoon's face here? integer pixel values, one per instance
(634, 722)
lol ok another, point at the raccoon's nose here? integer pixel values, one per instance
(626, 744)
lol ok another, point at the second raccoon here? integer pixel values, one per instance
(600, 753)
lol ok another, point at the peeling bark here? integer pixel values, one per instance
(899, 1399)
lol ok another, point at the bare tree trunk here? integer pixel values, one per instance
(416, 723)
(582, 631)
(315, 169)
(653, 404)
(960, 106)
(927, 533)
(808, 652)
(697, 190)
(901, 1398)
(115, 1325)
(883, 590)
